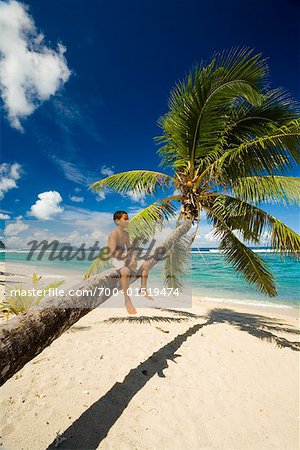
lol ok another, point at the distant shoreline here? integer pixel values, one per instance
(193, 250)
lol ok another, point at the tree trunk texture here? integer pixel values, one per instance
(25, 336)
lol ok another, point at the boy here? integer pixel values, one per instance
(119, 245)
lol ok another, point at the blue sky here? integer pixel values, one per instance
(102, 90)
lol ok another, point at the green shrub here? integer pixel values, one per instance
(18, 304)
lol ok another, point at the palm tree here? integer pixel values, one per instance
(228, 141)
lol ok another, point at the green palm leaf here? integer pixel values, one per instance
(243, 259)
(175, 263)
(267, 154)
(198, 105)
(138, 181)
(99, 264)
(147, 222)
(251, 221)
(272, 189)
(20, 299)
(278, 108)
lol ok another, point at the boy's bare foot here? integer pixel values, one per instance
(144, 293)
(129, 306)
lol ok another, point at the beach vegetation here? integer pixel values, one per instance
(22, 298)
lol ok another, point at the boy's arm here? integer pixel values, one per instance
(131, 252)
(112, 243)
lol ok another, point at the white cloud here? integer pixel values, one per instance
(77, 189)
(9, 174)
(14, 242)
(71, 172)
(4, 216)
(266, 238)
(47, 206)
(70, 115)
(137, 197)
(205, 236)
(21, 242)
(267, 235)
(77, 238)
(75, 224)
(86, 220)
(12, 229)
(210, 237)
(105, 170)
(76, 199)
(74, 237)
(30, 71)
(100, 196)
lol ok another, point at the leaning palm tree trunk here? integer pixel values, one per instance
(27, 335)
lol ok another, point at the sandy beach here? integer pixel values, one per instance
(213, 376)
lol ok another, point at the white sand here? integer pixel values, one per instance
(209, 387)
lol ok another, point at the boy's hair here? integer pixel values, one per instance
(118, 215)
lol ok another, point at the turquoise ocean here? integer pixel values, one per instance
(209, 276)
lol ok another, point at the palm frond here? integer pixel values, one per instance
(265, 155)
(99, 264)
(283, 238)
(252, 221)
(138, 181)
(278, 108)
(240, 63)
(246, 122)
(21, 299)
(147, 222)
(198, 105)
(272, 189)
(175, 263)
(243, 259)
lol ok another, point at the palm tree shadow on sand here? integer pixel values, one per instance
(93, 425)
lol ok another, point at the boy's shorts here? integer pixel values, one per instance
(119, 263)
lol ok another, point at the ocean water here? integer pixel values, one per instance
(213, 277)
(208, 276)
